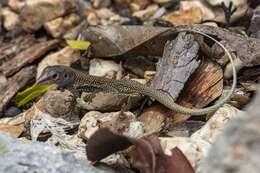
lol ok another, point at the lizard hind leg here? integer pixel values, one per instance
(166, 93)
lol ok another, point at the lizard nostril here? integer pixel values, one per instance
(55, 76)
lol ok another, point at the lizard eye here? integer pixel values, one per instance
(55, 76)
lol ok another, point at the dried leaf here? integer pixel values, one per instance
(117, 40)
(103, 143)
(147, 155)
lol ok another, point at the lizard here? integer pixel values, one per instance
(77, 81)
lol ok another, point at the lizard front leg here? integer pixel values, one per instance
(73, 101)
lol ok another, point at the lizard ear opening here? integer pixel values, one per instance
(66, 76)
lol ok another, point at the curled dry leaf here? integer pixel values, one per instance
(118, 40)
(147, 154)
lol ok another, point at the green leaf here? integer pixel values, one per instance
(78, 44)
(29, 94)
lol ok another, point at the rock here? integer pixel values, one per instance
(183, 129)
(218, 2)
(105, 68)
(11, 21)
(184, 17)
(105, 13)
(1, 21)
(31, 157)
(109, 101)
(60, 25)
(197, 146)
(207, 12)
(147, 12)
(84, 6)
(153, 120)
(92, 18)
(12, 111)
(101, 3)
(254, 27)
(65, 56)
(57, 103)
(16, 5)
(3, 2)
(237, 149)
(124, 123)
(103, 16)
(35, 13)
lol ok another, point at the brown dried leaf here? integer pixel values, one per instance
(147, 155)
(117, 40)
(104, 143)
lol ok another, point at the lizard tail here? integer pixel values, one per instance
(167, 101)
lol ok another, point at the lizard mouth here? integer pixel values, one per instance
(42, 80)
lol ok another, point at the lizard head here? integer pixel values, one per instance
(58, 74)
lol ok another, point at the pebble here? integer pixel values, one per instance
(12, 111)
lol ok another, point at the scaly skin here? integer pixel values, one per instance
(77, 81)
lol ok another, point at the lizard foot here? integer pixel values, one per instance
(228, 11)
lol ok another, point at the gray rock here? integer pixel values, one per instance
(36, 157)
(254, 27)
(12, 111)
(238, 148)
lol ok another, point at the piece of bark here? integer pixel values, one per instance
(178, 63)
(205, 85)
(247, 49)
(9, 50)
(14, 84)
(27, 56)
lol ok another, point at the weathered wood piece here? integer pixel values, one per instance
(14, 84)
(247, 49)
(27, 56)
(9, 50)
(205, 85)
(178, 63)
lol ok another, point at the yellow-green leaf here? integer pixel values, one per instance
(78, 44)
(29, 94)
